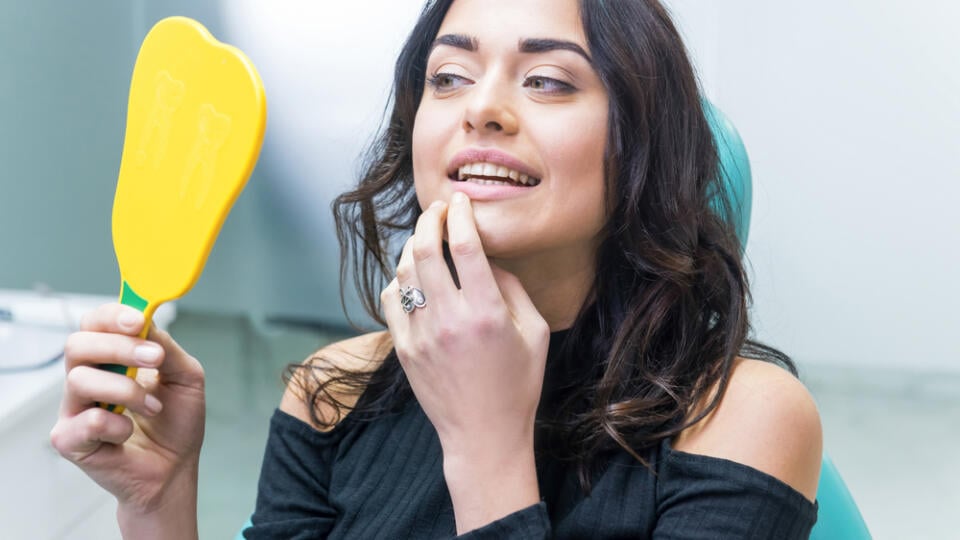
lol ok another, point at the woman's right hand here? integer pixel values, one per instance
(148, 456)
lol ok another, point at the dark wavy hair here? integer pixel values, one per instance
(668, 310)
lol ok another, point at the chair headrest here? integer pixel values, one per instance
(736, 181)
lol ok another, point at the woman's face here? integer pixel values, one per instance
(514, 115)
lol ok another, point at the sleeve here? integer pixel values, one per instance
(530, 523)
(292, 496)
(701, 497)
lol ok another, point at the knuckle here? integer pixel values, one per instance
(486, 326)
(404, 272)
(407, 246)
(199, 373)
(94, 318)
(97, 422)
(446, 335)
(72, 347)
(420, 350)
(56, 438)
(89, 431)
(422, 251)
(75, 378)
(86, 320)
(403, 351)
(464, 247)
(410, 350)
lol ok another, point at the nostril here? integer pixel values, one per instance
(494, 126)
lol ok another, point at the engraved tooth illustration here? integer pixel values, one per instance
(156, 133)
(212, 132)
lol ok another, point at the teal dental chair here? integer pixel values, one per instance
(838, 517)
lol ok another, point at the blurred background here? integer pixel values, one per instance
(849, 111)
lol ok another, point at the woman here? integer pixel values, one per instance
(564, 328)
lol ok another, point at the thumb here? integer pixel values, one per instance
(178, 366)
(514, 295)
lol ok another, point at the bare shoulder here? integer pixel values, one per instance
(766, 420)
(359, 354)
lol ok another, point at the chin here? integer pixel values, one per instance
(501, 242)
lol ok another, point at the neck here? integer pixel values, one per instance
(557, 283)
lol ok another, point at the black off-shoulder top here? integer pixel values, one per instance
(384, 479)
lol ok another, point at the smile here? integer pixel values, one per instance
(491, 174)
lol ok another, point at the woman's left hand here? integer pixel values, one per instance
(474, 356)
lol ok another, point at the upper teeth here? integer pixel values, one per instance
(491, 170)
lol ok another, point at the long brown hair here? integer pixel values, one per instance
(668, 311)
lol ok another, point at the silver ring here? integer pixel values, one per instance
(412, 298)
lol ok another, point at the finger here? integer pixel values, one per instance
(114, 318)
(406, 268)
(408, 278)
(86, 386)
(473, 268)
(514, 295)
(103, 348)
(78, 436)
(398, 321)
(177, 366)
(432, 270)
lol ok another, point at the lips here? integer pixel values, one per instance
(491, 167)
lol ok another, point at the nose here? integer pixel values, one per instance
(489, 110)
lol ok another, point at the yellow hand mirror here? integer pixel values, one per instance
(195, 123)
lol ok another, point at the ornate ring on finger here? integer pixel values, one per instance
(411, 298)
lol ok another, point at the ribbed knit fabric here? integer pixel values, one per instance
(384, 479)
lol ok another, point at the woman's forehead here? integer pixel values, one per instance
(505, 22)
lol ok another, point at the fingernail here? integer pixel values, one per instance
(147, 354)
(436, 204)
(129, 319)
(152, 404)
(459, 197)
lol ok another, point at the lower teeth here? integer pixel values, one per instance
(489, 182)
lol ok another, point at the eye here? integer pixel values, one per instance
(446, 82)
(548, 85)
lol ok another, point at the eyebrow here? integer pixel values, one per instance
(540, 45)
(530, 45)
(458, 41)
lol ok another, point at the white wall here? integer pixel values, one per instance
(851, 114)
(850, 111)
(327, 69)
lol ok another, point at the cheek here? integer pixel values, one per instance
(426, 153)
(432, 125)
(576, 159)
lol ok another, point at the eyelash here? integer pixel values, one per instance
(435, 79)
(562, 88)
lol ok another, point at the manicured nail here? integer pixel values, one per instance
(152, 404)
(129, 319)
(147, 354)
(436, 204)
(459, 197)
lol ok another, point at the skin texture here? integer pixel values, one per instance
(474, 355)
(768, 420)
(147, 459)
(497, 97)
